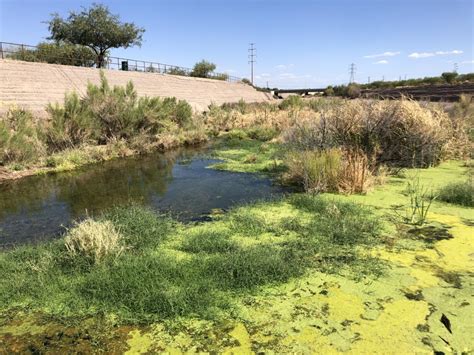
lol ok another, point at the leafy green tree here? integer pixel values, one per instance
(203, 69)
(95, 28)
(450, 77)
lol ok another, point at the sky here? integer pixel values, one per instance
(300, 43)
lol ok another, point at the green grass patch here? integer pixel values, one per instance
(458, 193)
(168, 269)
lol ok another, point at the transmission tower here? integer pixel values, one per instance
(252, 55)
(455, 67)
(352, 71)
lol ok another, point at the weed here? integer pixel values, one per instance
(94, 240)
(420, 200)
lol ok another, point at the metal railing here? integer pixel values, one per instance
(49, 55)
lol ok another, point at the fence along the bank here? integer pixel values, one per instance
(25, 52)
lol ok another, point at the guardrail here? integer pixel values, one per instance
(30, 53)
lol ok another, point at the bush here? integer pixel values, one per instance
(176, 71)
(262, 133)
(94, 240)
(331, 170)
(57, 53)
(20, 138)
(112, 113)
(291, 102)
(459, 193)
(316, 171)
(400, 133)
(203, 69)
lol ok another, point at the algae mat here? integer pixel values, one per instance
(423, 303)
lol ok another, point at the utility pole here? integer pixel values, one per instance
(368, 80)
(456, 67)
(352, 71)
(252, 55)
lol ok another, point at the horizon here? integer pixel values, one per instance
(299, 44)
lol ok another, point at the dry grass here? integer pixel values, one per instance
(94, 240)
(331, 170)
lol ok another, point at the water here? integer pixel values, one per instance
(40, 207)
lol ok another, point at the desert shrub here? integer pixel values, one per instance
(331, 170)
(57, 53)
(94, 240)
(176, 71)
(71, 124)
(20, 137)
(203, 69)
(459, 193)
(262, 133)
(107, 113)
(291, 102)
(353, 91)
(316, 171)
(400, 133)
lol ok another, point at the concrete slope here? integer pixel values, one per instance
(34, 85)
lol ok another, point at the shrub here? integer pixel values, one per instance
(449, 77)
(57, 53)
(20, 137)
(176, 71)
(203, 69)
(316, 171)
(331, 170)
(353, 91)
(459, 193)
(291, 102)
(71, 124)
(262, 133)
(94, 240)
(400, 133)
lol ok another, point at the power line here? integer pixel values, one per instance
(352, 71)
(252, 55)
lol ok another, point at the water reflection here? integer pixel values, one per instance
(178, 182)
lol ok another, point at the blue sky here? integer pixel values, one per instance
(300, 43)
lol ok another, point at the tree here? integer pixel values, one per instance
(95, 28)
(203, 69)
(450, 77)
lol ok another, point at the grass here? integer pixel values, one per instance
(168, 269)
(458, 193)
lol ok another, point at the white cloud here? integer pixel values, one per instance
(468, 61)
(449, 52)
(382, 62)
(384, 54)
(284, 66)
(417, 55)
(265, 75)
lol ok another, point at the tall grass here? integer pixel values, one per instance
(330, 170)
